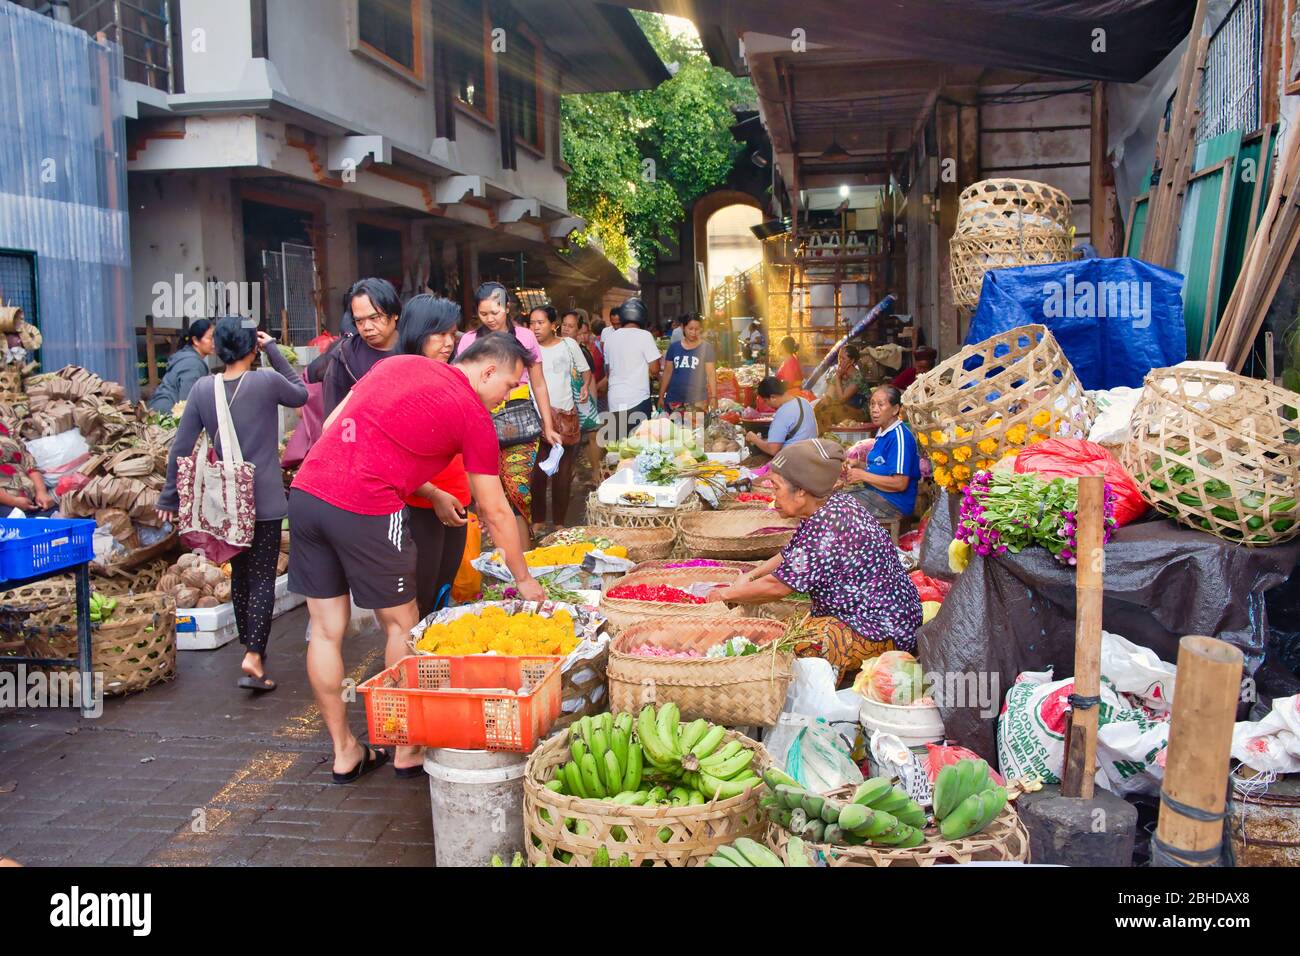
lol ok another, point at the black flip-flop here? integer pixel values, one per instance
(261, 685)
(409, 773)
(367, 764)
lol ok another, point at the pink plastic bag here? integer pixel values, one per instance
(308, 430)
(939, 756)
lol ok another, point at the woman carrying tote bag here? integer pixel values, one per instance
(247, 410)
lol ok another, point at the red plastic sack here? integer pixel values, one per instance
(939, 756)
(727, 387)
(930, 589)
(70, 482)
(1073, 458)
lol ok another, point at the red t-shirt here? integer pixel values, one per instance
(904, 378)
(407, 419)
(790, 371)
(453, 479)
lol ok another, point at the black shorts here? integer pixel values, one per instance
(333, 551)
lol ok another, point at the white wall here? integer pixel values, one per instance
(216, 43)
(181, 224)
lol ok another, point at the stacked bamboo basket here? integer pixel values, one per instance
(1004, 223)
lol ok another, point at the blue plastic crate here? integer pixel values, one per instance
(31, 546)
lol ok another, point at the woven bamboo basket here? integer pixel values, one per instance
(1235, 442)
(731, 504)
(1021, 390)
(11, 381)
(1004, 223)
(643, 544)
(133, 649)
(627, 516)
(1004, 840)
(733, 691)
(727, 534)
(692, 834)
(663, 565)
(622, 612)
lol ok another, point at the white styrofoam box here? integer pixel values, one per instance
(725, 457)
(623, 481)
(207, 628)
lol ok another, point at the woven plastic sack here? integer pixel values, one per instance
(1073, 458)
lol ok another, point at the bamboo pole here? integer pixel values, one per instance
(1194, 794)
(1081, 748)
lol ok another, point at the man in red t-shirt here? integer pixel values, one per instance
(403, 421)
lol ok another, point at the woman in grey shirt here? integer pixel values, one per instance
(254, 396)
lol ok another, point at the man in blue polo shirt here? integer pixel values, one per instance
(893, 466)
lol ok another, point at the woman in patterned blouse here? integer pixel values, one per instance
(21, 484)
(863, 602)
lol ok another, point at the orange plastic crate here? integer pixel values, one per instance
(475, 702)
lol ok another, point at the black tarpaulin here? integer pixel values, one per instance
(1041, 36)
(1015, 613)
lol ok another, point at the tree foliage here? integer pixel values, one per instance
(639, 158)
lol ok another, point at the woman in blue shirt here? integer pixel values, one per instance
(893, 464)
(689, 376)
(795, 418)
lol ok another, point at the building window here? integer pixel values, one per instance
(467, 36)
(390, 29)
(519, 80)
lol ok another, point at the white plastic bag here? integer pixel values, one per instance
(821, 759)
(1133, 725)
(812, 698)
(54, 452)
(1271, 744)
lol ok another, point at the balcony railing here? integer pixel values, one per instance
(142, 28)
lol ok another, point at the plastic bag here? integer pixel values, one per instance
(892, 678)
(1071, 458)
(1132, 725)
(1271, 744)
(468, 582)
(811, 697)
(54, 453)
(820, 759)
(938, 756)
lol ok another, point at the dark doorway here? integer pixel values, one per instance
(379, 253)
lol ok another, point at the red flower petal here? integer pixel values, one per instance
(8, 470)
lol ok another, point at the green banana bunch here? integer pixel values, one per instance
(973, 814)
(101, 608)
(744, 852)
(956, 783)
(879, 795)
(695, 753)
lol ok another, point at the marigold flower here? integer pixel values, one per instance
(961, 453)
(1016, 434)
(938, 457)
(989, 446)
(1041, 418)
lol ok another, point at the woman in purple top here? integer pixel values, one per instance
(863, 602)
(492, 302)
(254, 396)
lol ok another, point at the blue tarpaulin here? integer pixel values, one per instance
(1116, 319)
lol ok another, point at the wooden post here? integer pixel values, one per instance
(1081, 751)
(1269, 369)
(1200, 743)
(150, 351)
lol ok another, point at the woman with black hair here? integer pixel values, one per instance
(439, 526)
(492, 303)
(375, 309)
(790, 372)
(187, 365)
(254, 396)
(562, 361)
